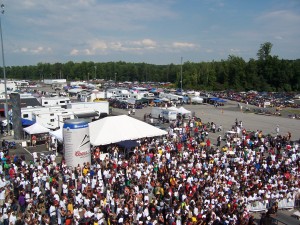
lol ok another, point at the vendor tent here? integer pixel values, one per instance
(36, 129)
(58, 134)
(173, 108)
(26, 122)
(197, 99)
(114, 129)
(183, 111)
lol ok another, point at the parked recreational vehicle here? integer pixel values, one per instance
(27, 113)
(171, 97)
(166, 114)
(54, 120)
(55, 101)
(100, 107)
(169, 115)
(157, 112)
(139, 93)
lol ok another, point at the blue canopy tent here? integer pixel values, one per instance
(153, 90)
(221, 100)
(26, 122)
(157, 100)
(214, 99)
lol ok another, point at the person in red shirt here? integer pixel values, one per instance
(208, 142)
(33, 140)
(12, 173)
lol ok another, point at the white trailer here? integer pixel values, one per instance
(55, 81)
(27, 113)
(166, 114)
(169, 115)
(100, 107)
(171, 97)
(55, 101)
(54, 120)
(157, 112)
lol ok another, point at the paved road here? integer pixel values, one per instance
(226, 116)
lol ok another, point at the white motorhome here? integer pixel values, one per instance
(169, 115)
(157, 112)
(27, 113)
(55, 101)
(100, 107)
(171, 97)
(22, 83)
(117, 92)
(54, 120)
(139, 93)
(10, 86)
(55, 81)
(165, 113)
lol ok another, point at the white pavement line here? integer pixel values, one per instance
(27, 151)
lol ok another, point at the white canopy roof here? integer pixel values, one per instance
(58, 134)
(173, 108)
(183, 111)
(114, 129)
(36, 129)
(197, 99)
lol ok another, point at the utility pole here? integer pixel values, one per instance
(181, 73)
(95, 72)
(4, 75)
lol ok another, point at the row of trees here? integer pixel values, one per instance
(267, 73)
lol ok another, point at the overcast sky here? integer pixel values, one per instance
(150, 31)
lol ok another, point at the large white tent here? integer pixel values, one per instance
(114, 129)
(36, 129)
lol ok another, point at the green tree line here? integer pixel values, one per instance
(266, 73)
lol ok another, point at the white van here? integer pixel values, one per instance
(157, 112)
(169, 115)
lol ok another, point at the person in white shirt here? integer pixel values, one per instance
(12, 218)
(52, 213)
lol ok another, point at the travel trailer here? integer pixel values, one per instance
(138, 93)
(27, 113)
(171, 97)
(10, 86)
(54, 120)
(55, 101)
(165, 113)
(100, 107)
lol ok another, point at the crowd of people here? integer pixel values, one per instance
(181, 178)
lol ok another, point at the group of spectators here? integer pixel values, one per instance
(181, 178)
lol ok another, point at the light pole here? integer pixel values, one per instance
(95, 72)
(115, 78)
(4, 75)
(181, 74)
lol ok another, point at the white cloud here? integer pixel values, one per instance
(144, 44)
(37, 50)
(74, 52)
(183, 45)
(235, 50)
(24, 49)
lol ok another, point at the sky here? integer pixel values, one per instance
(151, 31)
